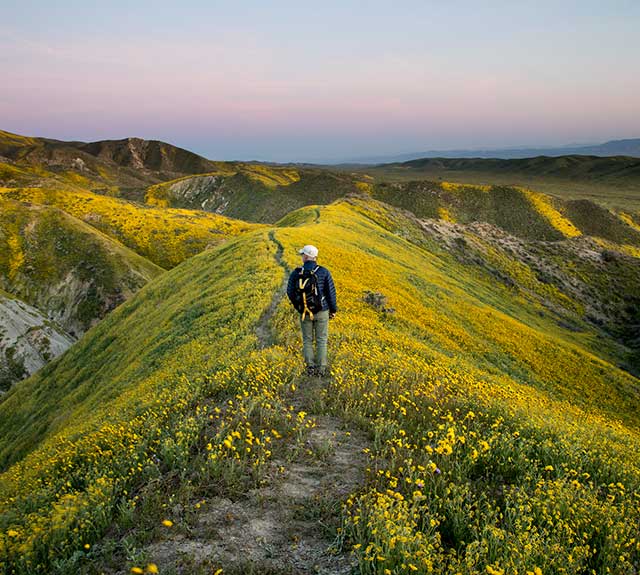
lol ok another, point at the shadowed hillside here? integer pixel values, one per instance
(612, 181)
(563, 166)
(254, 193)
(494, 435)
(521, 211)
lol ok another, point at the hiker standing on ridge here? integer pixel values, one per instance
(313, 294)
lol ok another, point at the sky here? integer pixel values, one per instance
(322, 81)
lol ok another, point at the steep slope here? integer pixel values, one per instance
(499, 439)
(165, 236)
(28, 340)
(523, 212)
(65, 268)
(547, 247)
(255, 193)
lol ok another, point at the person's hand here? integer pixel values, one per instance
(332, 314)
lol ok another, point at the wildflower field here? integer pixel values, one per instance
(164, 236)
(500, 440)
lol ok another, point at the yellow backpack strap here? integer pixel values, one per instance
(306, 309)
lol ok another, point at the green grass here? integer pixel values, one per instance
(613, 182)
(256, 193)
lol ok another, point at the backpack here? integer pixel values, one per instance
(306, 295)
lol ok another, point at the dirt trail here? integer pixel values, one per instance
(263, 329)
(287, 526)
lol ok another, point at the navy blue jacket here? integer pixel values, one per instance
(325, 285)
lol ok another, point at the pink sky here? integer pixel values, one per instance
(273, 85)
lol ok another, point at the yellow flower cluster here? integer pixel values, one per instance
(165, 236)
(543, 204)
(213, 394)
(459, 187)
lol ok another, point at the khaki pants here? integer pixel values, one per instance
(317, 328)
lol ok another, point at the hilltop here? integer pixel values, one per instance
(108, 165)
(612, 181)
(474, 404)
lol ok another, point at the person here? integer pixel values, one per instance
(314, 324)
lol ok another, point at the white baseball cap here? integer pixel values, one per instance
(311, 251)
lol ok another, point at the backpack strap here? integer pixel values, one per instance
(301, 284)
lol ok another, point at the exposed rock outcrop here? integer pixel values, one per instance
(28, 340)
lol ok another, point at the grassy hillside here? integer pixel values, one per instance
(255, 193)
(164, 236)
(131, 168)
(611, 181)
(67, 269)
(500, 440)
(520, 211)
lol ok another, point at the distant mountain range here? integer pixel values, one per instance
(630, 147)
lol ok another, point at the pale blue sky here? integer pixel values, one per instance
(325, 80)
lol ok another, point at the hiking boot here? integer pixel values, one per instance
(311, 371)
(322, 372)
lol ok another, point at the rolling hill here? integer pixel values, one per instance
(611, 181)
(160, 174)
(488, 421)
(65, 268)
(116, 167)
(164, 236)
(566, 166)
(254, 193)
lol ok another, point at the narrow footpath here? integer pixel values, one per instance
(263, 327)
(288, 526)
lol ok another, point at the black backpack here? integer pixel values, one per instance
(306, 295)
